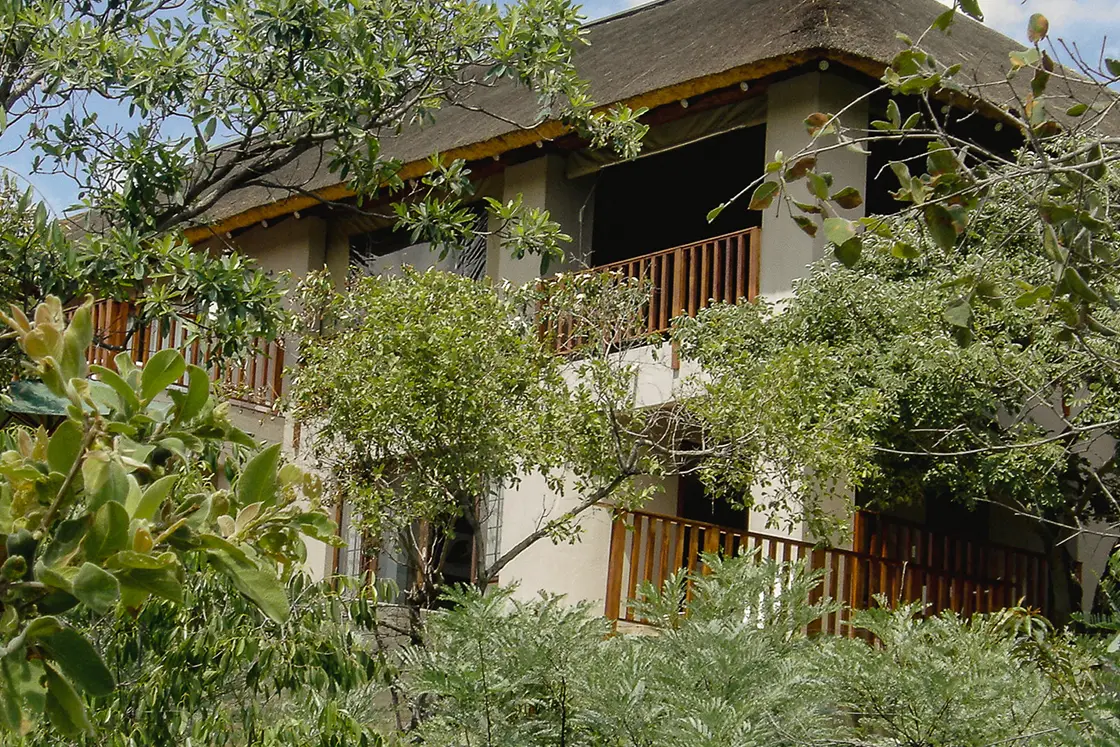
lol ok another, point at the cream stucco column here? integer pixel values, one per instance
(786, 249)
(542, 183)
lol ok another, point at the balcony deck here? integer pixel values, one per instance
(905, 563)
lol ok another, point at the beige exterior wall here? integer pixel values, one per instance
(786, 249)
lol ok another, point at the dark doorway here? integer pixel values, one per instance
(663, 200)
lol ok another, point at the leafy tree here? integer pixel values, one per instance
(216, 671)
(1027, 225)
(426, 393)
(102, 513)
(859, 382)
(160, 109)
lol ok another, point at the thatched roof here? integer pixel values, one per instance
(659, 53)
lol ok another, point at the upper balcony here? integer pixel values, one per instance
(256, 383)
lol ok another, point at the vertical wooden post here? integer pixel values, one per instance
(755, 262)
(614, 568)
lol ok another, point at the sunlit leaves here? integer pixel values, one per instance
(763, 195)
(1037, 28)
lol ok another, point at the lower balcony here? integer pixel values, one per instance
(903, 562)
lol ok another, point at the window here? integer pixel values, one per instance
(387, 250)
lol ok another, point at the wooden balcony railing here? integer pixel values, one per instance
(258, 382)
(941, 572)
(681, 281)
(688, 278)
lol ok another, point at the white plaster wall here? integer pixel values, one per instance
(577, 570)
(786, 249)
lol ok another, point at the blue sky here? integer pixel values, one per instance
(1087, 23)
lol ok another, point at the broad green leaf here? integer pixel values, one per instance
(1037, 28)
(806, 224)
(64, 708)
(944, 20)
(75, 341)
(153, 497)
(941, 225)
(105, 479)
(715, 212)
(958, 313)
(839, 230)
(126, 393)
(972, 9)
(1077, 110)
(108, 534)
(130, 559)
(818, 185)
(66, 541)
(198, 393)
(11, 712)
(79, 660)
(848, 198)
(96, 588)
(849, 252)
(65, 446)
(257, 583)
(1074, 283)
(161, 371)
(763, 195)
(138, 583)
(257, 483)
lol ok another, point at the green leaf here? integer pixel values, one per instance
(714, 212)
(818, 185)
(763, 196)
(1113, 67)
(108, 534)
(153, 497)
(96, 588)
(944, 20)
(197, 395)
(1076, 285)
(958, 313)
(893, 114)
(127, 394)
(259, 584)
(904, 250)
(137, 583)
(257, 483)
(1077, 110)
(848, 198)
(972, 9)
(105, 479)
(941, 225)
(806, 224)
(65, 446)
(64, 708)
(132, 560)
(839, 230)
(80, 661)
(849, 252)
(161, 371)
(1037, 28)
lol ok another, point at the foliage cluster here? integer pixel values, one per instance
(739, 669)
(112, 508)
